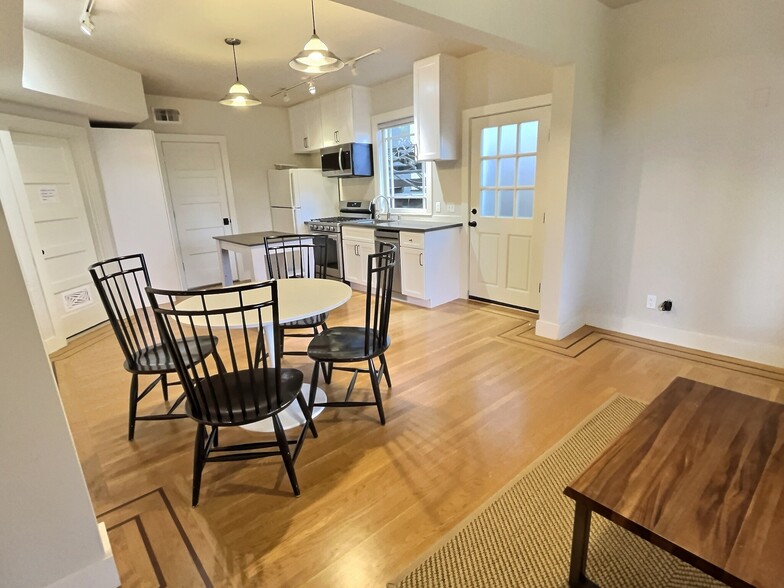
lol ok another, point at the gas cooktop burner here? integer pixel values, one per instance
(336, 219)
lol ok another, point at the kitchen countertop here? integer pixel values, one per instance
(249, 239)
(404, 225)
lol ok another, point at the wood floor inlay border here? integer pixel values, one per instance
(588, 337)
(156, 509)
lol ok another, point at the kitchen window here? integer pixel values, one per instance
(403, 179)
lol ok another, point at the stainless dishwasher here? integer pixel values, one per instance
(393, 237)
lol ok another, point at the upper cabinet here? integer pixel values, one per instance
(340, 117)
(305, 123)
(436, 108)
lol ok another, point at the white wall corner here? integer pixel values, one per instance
(100, 574)
(557, 331)
(748, 350)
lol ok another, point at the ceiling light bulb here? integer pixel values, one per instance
(312, 88)
(86, 24)
(286, 97)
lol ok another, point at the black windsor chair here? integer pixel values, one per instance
(243, 387)
(120, 282)
(336, 345)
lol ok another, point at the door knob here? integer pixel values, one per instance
(473, 211)
(471, 223)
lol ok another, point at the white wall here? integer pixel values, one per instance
(256, 138)
(692, 207)
(48, 531)
(90, 84)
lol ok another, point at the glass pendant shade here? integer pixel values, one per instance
(239, 95)
(316, 58)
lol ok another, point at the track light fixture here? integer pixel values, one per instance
(286, 97)
(85, 19)
(238, 95)
(315, 57)
(312, 88)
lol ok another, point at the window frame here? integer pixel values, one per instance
(379, 123)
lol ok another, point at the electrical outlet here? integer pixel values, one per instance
(450, 207)
(651, 302)
(438, 207)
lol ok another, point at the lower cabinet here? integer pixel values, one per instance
(412, 272)
(358, 243)
(429, 266)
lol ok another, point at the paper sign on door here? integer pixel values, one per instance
(48, 194)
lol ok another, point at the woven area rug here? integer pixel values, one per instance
(522, 536)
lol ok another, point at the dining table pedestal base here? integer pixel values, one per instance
(292, 417)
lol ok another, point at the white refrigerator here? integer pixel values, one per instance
(299, 195)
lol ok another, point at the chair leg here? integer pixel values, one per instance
(165, 387)
(283, 443)
(314, 381)
(376, 391)
(326, 368)
(134, 399)
(303, 405)
(215, 438)
(386, 371)
(198, 462)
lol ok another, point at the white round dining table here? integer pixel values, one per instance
(298, 298)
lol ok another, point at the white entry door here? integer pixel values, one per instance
(197, 186)
(57, 220)
(506, 218)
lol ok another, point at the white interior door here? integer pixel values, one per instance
(197, 187)
(56, 219)
(507, 208)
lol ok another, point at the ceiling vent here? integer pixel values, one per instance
(166, 115)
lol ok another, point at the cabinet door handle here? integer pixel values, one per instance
(336, 137)
(421, 264)
(305, 142)
(356, 250)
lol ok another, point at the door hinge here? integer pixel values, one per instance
(544, 217)
(540, 287)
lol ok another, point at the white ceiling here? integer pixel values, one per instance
(177, 45)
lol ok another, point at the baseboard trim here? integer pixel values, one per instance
(770, 355)
(557, 331)
(100, 574)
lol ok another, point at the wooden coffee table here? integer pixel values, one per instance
(700, 474)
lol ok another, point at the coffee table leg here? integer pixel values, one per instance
(580, 535)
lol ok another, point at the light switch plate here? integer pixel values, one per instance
(438, 207)
(651, 301)
(450, 207)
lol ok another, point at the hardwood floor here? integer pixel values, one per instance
(476, 397)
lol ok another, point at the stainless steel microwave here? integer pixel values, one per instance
(351, 160)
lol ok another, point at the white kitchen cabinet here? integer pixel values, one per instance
(358, 243)
(436, 108)
(429, 266)
(306, 129)
(345, 116)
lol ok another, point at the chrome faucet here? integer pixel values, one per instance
(387, 206)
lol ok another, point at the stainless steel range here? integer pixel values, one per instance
(329, 227)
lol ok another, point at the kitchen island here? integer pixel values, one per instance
(242, 243)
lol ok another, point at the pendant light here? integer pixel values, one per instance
(315, 57)
(238, 95)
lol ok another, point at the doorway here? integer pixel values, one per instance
(58, 231)
(507, 209)
(198, 186)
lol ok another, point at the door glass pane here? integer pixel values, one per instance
(525, 204)
(529, 132)
(526, 170)
(506, 171)
(487, 203)
(488, 172)
(505, 203)
(489, 146)
(508, 140)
